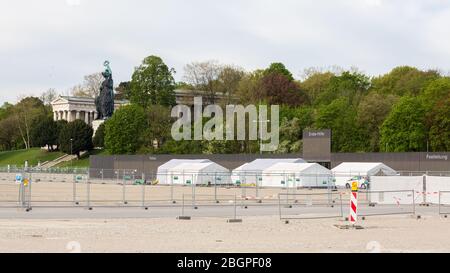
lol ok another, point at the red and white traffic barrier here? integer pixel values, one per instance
(354, 205)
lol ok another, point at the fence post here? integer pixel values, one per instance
(215, 188)
(123, 192)
(143, 191)
(414, 202)
(74, 191)
(193, 192)
(257, 187)
(235, 208)
(171, 189)
(279, 205)
(29, 192)
(88, 192)
(424, 189)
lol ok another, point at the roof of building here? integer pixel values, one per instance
(296, 167)
(363, 168)
(264, 163)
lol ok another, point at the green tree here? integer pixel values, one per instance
(123, 91)
(279, 68)
(60, 124)
(228, 82)
(153, 83)
(440, 126)
(404, 80)
(5, 109)
(340, 117)
(76, 137)
(99, 137)
(404, 129)
(159, 125)
(315, 84)
(26, 113)
(124, 129)
(372, 111)
(435, 91)
(9, 136)
(279, 90)
(290, 136)
(249, 88)
(352, 85)
(44, 132)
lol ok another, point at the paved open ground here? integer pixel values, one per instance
(254, 234)
(131, 228)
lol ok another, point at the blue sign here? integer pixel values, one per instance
(18, 178)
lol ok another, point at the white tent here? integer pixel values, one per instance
(348, 170)
(207, 173)
(163, 170)
(251, 173)
(297, 175)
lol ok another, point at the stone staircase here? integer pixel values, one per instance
(61, 159)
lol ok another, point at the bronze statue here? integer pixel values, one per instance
(105, 100)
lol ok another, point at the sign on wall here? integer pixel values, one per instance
(317, 145)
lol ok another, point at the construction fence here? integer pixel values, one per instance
(291, 200)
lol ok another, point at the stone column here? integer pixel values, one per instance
(66, 116)
(77, 115)
(86, 117)
(55, 116)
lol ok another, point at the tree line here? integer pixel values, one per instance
(404, 110)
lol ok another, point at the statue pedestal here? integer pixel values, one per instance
(96, 124)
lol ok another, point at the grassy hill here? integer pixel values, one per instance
(34, 156)
(83, 162)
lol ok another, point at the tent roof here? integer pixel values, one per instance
(296, 167)
(264, 163)
(175, 162)
(362, 167)
(196, 167)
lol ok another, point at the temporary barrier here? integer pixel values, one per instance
(389, 203)
(434, 185)
(207, 206)
(310, 206)
(395, 184)
(444, 203)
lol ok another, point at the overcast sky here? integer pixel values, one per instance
(54, 43)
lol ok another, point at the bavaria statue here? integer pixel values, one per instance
(104, 102)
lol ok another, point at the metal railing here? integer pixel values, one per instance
(444, 203)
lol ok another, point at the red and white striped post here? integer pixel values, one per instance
(354, 204)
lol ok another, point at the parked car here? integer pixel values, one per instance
(363, 182)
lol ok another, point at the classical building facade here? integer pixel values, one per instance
(72, 108)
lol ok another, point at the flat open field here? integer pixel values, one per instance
(56, 225)
(255, 234)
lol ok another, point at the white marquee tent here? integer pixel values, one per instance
(251, 173)
(297, 175)
(198, 173)
(347, 170)
(163, 170)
